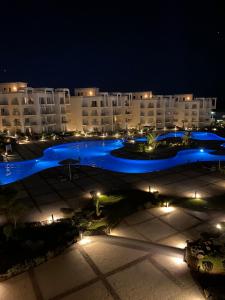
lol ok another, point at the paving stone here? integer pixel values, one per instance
(17, 288)
(179, 220)
(109, 257)
(95, 291)
(63, 273)
(154, 229)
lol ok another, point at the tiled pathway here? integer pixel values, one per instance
(118, 269)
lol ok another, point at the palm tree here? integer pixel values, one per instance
(152, 140)
(186, 139)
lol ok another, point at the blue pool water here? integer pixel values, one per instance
(198, 135)
(97, 154)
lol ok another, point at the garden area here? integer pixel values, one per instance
(151, 146)
(25, 245)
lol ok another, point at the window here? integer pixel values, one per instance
(94, 103)
(41, 100)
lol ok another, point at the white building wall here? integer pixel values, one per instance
(27, 110)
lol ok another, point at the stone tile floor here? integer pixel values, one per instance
(103, 270)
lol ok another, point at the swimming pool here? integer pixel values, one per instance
(195, 135)
(97, 154)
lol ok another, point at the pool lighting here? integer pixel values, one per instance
(201, 150)
(218, 226)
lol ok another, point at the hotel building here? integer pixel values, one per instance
(93, 110)
(33, 110)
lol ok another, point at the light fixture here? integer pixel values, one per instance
(98, 194)
(167, 209)
(201, 150)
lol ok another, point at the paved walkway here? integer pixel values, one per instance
(142, 259)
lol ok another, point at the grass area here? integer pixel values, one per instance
(202, 204)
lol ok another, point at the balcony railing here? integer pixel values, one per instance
(29, 113)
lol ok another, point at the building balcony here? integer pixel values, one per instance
(30, 124)
(16, 113)
(29, 113)
(47, 112)
(17, 124)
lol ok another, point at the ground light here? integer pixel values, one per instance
(218, 226)
(85, 241)
(178, 260)
(196, 196)
(167, 209)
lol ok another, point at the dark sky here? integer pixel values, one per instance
(167, 47)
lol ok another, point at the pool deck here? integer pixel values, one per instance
(132, 266)
(46, 192)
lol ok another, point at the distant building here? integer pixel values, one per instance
(33, 110)
(93, 110)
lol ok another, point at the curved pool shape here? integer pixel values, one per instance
(198, 135)
(97, 154)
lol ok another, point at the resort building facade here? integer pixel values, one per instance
(33, 110)
(37, 110)
(92, 110)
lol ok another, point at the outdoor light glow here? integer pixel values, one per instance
(167, 209)
(178, 261)
(201, 150)
(90, 93)
(14, 88)
(218, 226)
(98, 194)
(85, 241)
(146, 96)
(181, 245)
(188, 98)
(196, 196)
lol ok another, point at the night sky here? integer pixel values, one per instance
(167, 47)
